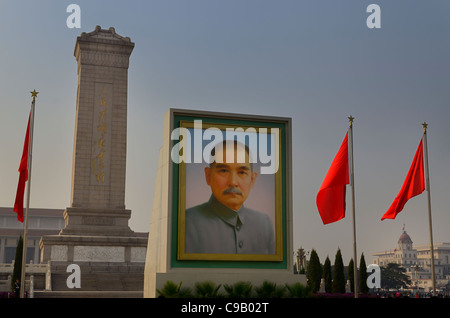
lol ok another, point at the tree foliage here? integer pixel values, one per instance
(393, 277)
(363, 275)
(314, 271)
(351, 274)
(338, 285)
(17, 271)
(327, 276)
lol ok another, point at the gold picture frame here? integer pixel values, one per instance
(273, 182)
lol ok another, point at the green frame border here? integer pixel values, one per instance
(175, 263)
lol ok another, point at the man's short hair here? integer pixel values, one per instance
(223, 145)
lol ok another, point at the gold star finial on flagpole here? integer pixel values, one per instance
(34, 94)
(350, 119)
(425, 125)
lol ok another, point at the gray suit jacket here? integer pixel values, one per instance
(212, 227)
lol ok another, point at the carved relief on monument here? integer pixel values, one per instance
(105, 59)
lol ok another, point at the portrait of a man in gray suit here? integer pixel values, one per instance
(223, 225)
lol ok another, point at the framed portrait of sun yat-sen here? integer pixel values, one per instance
(231, 190)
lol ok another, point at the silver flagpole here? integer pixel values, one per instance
(427, 185)
(25, 229)
(352, 180)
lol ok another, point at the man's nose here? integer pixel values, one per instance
(233, 180)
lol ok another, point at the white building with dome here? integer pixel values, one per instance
(417, 262)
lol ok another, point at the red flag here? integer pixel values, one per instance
(23, 176)
(331, 197)
(413, 185)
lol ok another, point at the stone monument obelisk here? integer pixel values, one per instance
(99, 158)
(96, 223)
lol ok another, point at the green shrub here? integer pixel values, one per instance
(171, 290)
(207, 289)
(298, 290)
(269, 290)
(239, 290)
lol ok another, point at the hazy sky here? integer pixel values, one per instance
(314, 61)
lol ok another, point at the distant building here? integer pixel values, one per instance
(40, 222)
(417, 262)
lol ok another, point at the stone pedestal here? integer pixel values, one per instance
(96, 223)
(76, 248)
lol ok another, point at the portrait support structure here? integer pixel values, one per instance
(188, 138)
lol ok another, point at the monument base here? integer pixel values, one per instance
(189, 278)
(107, 263)
(76, 248)
(96, 222)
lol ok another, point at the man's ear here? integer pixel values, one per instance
(254, 177)
(208, 175)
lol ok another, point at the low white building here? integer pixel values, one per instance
(417, 261)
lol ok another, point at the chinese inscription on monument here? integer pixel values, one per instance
(101, 128)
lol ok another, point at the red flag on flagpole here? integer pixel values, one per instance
(331, 197)
(413, 185)
(23, 176)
